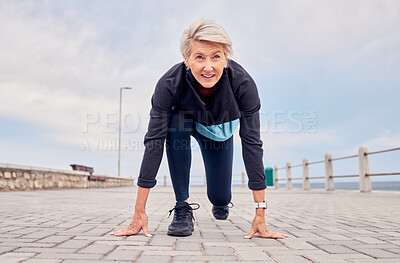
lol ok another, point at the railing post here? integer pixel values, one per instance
(165, 180)
(289, 184)
(306, 175)
(276, 177)
(329, 183)
(243, 181)
(363, 169)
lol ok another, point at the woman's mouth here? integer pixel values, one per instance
(207, 76)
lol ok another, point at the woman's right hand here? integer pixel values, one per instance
(139, 222)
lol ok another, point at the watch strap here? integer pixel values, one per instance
(260, 205)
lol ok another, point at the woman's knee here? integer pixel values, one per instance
(219, 198)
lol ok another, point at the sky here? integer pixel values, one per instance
(327, 74)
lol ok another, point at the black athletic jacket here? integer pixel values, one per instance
(236, 97)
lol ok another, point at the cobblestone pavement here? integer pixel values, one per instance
(73, 226)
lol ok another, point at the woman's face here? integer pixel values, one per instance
(207, 61)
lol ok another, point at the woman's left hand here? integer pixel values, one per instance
(258, 226)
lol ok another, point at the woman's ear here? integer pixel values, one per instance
(187, 62)
(226, 62)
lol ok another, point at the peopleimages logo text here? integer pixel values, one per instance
(280, 121)
(101, 127)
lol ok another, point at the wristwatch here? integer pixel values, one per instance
(260, 205)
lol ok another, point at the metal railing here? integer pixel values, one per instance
(364, 174)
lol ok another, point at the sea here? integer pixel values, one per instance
(378, 185)
(381, 186)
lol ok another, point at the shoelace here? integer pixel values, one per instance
(180, 211)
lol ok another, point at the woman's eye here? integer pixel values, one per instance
(199, 57)
(216, 56)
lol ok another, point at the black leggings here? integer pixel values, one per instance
(217, 157)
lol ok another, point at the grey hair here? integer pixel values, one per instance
(207, 30)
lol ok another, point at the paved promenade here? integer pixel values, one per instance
(73, 226)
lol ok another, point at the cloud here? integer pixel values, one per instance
(52, 73)
(385, 141)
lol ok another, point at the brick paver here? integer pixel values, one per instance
(73, 226)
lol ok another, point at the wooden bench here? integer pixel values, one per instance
(78, 167)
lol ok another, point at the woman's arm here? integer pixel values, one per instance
(139, 220)
(161, 102)
(252, 152)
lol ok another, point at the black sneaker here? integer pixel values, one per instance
(182, 224)
(221, 212)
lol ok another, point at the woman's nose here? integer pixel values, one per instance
(208, 65)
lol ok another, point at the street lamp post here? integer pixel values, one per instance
(119, 130)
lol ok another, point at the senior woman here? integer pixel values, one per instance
(205, 97)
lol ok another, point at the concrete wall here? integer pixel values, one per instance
(26, 178)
